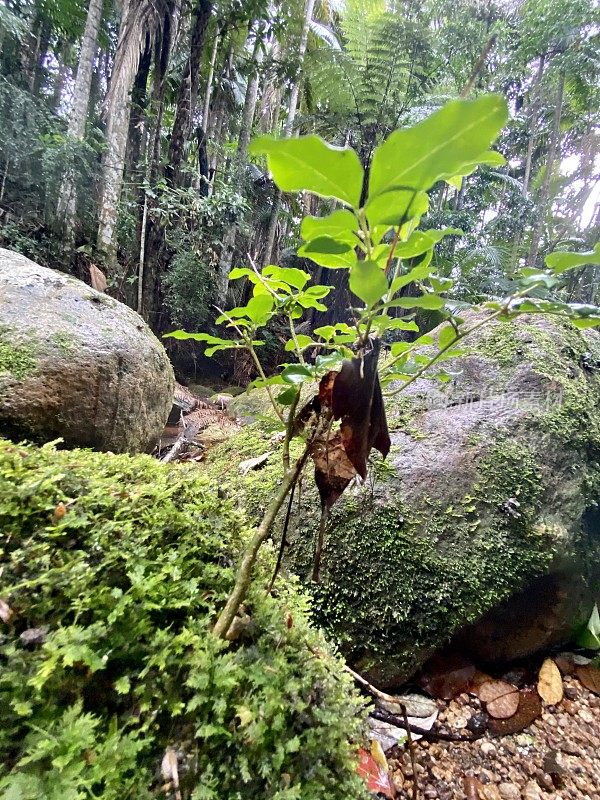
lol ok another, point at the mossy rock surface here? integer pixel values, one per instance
(77, 364)
(490, 490)
(113, 569)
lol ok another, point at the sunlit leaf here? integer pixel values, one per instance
(341, 225)
(441, 146)
(307, 163)
(294, 277)
(328, 252)
(560, 262)
(394, 207)
(368, 282)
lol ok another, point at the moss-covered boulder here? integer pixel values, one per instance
(112, 570)
(489, 494)
(77, 364)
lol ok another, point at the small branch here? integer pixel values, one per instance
(185, 437)
(244, 573)
(319, 546)
(478, 66)
(289, 431)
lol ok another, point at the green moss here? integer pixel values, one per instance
(64, 341)
(123, 564)
(399, 579)
(18, 360)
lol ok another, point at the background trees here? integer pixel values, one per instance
(124, 130)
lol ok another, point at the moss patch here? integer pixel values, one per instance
(19, 360)
(118, 566)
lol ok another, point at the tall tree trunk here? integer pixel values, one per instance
(67, 200)
(532, 115)
(228, 248)
(544, 197)
(141, 19)
(289, 126)
(209, 83)
(188, 91)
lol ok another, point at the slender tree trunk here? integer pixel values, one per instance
(544, 198)
(289, 127)
(209, 83)
(533, 113)
(228, 248)
(188, 91)
(67, 200)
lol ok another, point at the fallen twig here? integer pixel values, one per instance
(185, 437)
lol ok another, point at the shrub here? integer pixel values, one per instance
(112, 568)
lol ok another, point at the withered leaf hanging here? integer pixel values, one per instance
(357, 400)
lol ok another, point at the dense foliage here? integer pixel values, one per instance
(112, 568)
(125, 127)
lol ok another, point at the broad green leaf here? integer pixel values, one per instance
(257, 309)
(418, 273)
(199, 337)
(395, 207)
(294, 277)
(243, 272)
(287, 397)
(422, 241)
(560, 262)
(318, 291)
(302, 340)
(447, 335)
(491, 159)
(341, 225)
(368, 282)
(307, 163)
(587, 322)
(328, 252)
(383, 323)
(296, 374)
(432, 302)
(441, 146)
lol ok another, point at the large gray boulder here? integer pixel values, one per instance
(483, 521)
(76, 364)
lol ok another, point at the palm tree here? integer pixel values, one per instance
(141, 23)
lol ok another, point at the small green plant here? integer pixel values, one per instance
(374, 235)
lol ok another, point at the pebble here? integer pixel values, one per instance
(532, 791)
(508, 791)
(488, 749)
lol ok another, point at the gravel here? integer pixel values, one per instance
(555, 758)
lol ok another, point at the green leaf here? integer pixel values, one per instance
(368, 282)
(302, 340)
(429, 301)
(243, 272)
(418, 273)
(259, 308)
(200, 337)
(328, 252)
(287, 397)
(447, 335)
(296, 374)
(307, 163)
(294, 277)
(455, 137)
(490, 159)
(394, 207)
(560, 262)
(341, 225)
(422, 241)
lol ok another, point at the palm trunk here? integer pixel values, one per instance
(289, 127)
(544, 198)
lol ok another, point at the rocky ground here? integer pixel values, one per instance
(555, 758)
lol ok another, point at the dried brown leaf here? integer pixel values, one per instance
(529, 709)
(358, 402)
(333, 469)
(477, 681)
(98, 278)
(492, 690)
(589, 677)
(503, 707)
(550, 684)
